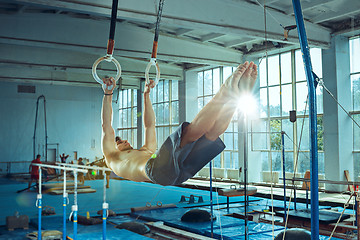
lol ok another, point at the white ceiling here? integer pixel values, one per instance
(55, 41)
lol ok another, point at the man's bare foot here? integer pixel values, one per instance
(248, 78)
(231, 87)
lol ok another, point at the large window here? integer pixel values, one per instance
(165, 101)
(128, 115)
(283, 87)
(355, 93)
(209, 83)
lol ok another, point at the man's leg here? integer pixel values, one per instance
(246, 84)
(214, 118)
(221, 124)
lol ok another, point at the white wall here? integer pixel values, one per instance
(73, 120)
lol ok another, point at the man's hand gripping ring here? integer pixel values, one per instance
(156, 65)
(108, 58)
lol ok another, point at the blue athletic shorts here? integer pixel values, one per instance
(174, 165)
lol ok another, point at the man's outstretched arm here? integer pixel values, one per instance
(108, 134)
(149, 120)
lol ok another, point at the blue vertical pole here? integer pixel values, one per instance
(39, 204)
(105, 207)
(75, 224)
(312, 119)
(104, 221)
(211, 201)
(64, 217)
(65, 196)
(75, 206)
(283, 160)
(357, 200)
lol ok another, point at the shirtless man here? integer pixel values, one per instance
(185, 151)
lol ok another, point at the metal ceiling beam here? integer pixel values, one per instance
(80, 70)
(211, 36)
(267, 2)
(242, 41)
(183, 31)
(46, 81)
(226, 16)
(307, 6)
(87, 35)
(346, 10)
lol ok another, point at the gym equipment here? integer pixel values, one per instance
(191, 199)
(197, 215)
(17, 221)
(135, 227)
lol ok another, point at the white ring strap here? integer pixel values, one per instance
(154, 63)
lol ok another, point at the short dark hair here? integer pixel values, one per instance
(38, 156)
(117, 138)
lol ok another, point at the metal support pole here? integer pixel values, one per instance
(357, 202)
(228, 204)
(46, 136)
(295, 197)
(39, 205)
(307, 197)
(105, 207)
(35, 127)
(211, 201)
(65, 197)
(283, 165)
(74, 207)
(245, 174)
(312, 119)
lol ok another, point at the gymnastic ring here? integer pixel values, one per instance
(232, 186)
(159, 204)
(108, 58)
(154, 63)
(148, 204)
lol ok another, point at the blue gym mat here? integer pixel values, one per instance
(88, 231)
(112, 235)
(223, 225)
(123, 195)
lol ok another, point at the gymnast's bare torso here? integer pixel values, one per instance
(129, 163)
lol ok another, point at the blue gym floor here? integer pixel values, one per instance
(124, 195)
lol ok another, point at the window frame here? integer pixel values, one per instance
(267, 117)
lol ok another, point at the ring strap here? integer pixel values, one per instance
(110, 45)
(154, 50)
